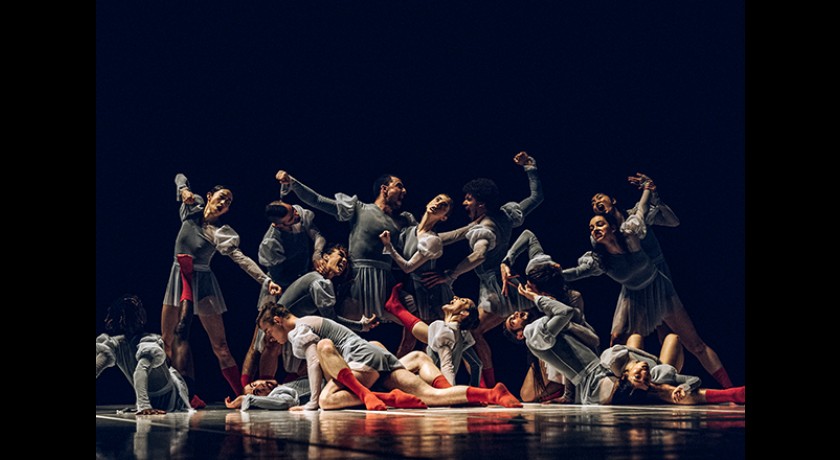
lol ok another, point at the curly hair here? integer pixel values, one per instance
(126, 315)
(484, 191)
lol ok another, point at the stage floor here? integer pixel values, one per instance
(532, 432)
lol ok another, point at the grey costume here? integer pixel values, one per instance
(288, 255)
(143, 362)
(647, 294)
(497, 228)
(371, 268)
(281, 397)
(202, 240)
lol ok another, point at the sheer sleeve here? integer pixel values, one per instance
(323, 295)
(105, 356)
(481, 232)
(443, 343)
(315, 375)
(271, 252)
(227, 243)
(149, 356)
(280, 398)
(343, 207)
(589, 264)
(536, 196)
(665, 373)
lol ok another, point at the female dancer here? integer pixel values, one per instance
(193, 285)
(647, 298)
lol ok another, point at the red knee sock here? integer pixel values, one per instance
(400, 400)
(232, 375)
(396, 308)
(345, 377)
(499, 394)
(489, 377)
(244, 380)
(736, 395)
(186, 263)
(722, 378)
(441, 382)
(197, 403)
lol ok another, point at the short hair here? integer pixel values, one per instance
(126, 315)
(626, 394)
(484, 191)
(216, 188)
(275, 210)
(384, 179)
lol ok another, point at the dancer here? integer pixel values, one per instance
(353, 364)
(311, 294)
(158, 387)
(615, 376)
(422, 246)
(268, 394)
(489, 241)
(289, 249)
(449, 340)
(193, 284)
(371, 267)
(647, 298)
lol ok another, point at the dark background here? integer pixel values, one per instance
(437, 94)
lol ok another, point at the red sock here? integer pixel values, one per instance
(499, 394)
(345, 377)
(736, 395)
(722, 378)
(489, 377)
(396, 308)
(197, 403)
(401, 400)
(441, 382)
(244, 380)
(186, 263)
(232, 374)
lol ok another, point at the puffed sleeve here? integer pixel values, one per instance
(105, 356)
(481, 232)
(615, 358)
(537, 263)
(345, 206)
(280, 398)
(151, 348)
(589, 264)
(666, 373)
(323, 293)
(301, 337)
(537, 336)
(513, 211)
(430, 246)
(271, 252)
(441, 336)
(409, 218)
(634, 226)
(226, 239)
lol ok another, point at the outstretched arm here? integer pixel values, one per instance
(589, 264)
(318, 243)
(455, 235)
(323, 295)
(406, 266)
(307, 195)
(536, 197)
(658, 213)
(474, 259)
(192, 203)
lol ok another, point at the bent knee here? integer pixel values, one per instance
(325, 346)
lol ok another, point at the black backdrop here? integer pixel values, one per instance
(436, 94)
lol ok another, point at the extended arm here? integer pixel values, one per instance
(309, 196)
(589, 264)
(536, 197)
(323, 295)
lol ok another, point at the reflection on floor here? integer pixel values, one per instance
(532, 432)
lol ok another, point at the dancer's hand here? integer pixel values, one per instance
(235, 404)
(385, 238)
(526, 292)
(432, 279)
(283, 177)
(523, 159)
(369, 323)
(642, 181)
(678, 395)
(274, 288)
(150, 412)
(507, 275)
(187, 196)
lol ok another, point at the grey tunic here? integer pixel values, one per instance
(287, 255)
(143, 362)
(427, 300)
(647, 294)
(358, 352)
(447, 344)
(371, 268)
(500, 225)
(202, 240)
(282, 397)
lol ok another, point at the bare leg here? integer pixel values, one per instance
(250, 365)
(636, 341)
(672, 351)
(335, 394)
(215, 327)
(404, 380)
(486, 321)
(681, 324)
(178, 350)
(270, 359)
(421, 364)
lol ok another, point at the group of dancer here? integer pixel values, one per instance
(316, 303)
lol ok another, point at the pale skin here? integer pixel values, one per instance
(261, 387)
(179, 351)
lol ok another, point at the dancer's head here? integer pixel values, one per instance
(547, 279)
(261, 387)
(219, 199)
(390, 189)
(126, 315)
(603, 203)
(281, 215)
(480, 197)
(334, 261)
(439, 207)
(464, 311)
(271, 321)
(514, 325)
